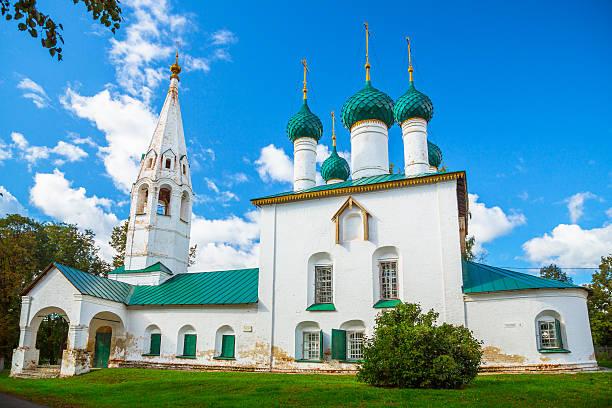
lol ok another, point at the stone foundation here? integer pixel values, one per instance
(75, 362)
(24, 358)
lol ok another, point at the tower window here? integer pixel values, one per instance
(163, 202)
(141, 203)
(184, 169)
(168, 163)
(150, 163)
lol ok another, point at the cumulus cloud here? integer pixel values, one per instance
(55, 196)
(127, 124)
(274, 164)
(34, 91)
(223, 37)
(9, 203)
(575, 204)
(5, 151)
(609, 212)
(489, 223)
(232, 242)
(571, 246)
(67, 151)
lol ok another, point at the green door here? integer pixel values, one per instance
(189, 346)
(227, 346)
(102, 349)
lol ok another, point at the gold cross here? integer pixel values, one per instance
(305, 71)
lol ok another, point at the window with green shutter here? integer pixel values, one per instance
(321, 345)
(338, 344)
(155, 344)
(227, 345)
(189, 345)
(558, 332)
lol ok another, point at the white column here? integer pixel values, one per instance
(369, 149)
(76, 358)
(416, 156)
(25, 355)
(304, 163)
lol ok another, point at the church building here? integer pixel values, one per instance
(332, 256)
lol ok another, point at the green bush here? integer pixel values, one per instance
(408, 350)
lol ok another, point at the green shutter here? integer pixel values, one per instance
(321, 345)
(558, 330)
(155, 344)
(338, 344)
(189, 346)
(227, 346)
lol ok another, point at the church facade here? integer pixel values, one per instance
(331, 257)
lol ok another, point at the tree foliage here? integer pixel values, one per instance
(119, 238)
(600, 303)
(26, 248)
(51, 339)
(38, 24)
(553, 271)
(408, 350)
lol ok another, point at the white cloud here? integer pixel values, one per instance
(489, 223)
(220, 196)
(227, 243)
(67, 151)
(34, 91)
(127, 124)
(570, 246)
(575, 204)
(274, 164)
(5, 151)
(54, 195)
(223, 37)
(609, 212)
(9, 203)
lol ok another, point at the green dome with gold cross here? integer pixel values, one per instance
(368, 104)
(304, 124)
(413, 104)
(435, 154)
(335, 167)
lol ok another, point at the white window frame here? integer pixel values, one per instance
(324, 289)
(547, 337)
(311, 345)
(354, 345)
(389, 285)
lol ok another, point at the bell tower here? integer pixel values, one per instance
(161, 199)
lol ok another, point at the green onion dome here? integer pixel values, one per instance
(435, 154)
(367, 104)
(335, 167)
(304, 124)
(413, 104)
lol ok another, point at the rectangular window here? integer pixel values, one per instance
(155, 344)
(168, 163)
(227, 346)
(323, 284)
(189, 346)
(184, 169)
(353, 345)
(388, 280)
(311, 348)
(549, 334)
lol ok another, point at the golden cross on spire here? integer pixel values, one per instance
(175, 68)
(367, 65)
(305, 71)
(334, 128)
(410, 70)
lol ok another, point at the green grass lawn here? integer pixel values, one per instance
(164, 388)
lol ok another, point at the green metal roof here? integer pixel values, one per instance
(158, 266)
(479, 278)
(435, 154)
(335, 167)
(367, 104)
(304, 124)
(413, 104)
(204, 288)
(97, 286)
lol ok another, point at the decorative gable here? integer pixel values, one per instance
(351, 221)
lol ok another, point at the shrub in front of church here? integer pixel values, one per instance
(408, 350)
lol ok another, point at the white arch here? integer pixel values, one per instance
(300, 329)
(224, 330)
(180, 341)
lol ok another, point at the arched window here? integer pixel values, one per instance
(550, 331)
(225, 343)
(163, 201)
(184, 169)
(308, 342)
(386, 276)
(153, 341)
(142, 199)
(320, 291)
(185, 206)
(186, 342)
(347, 341)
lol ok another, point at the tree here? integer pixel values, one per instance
(119, 238)
(552, 271)
(600, 303)
(37, 23)
(469, 254)
(26, 248)
(409, 351)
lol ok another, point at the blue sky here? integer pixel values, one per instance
(521, 92)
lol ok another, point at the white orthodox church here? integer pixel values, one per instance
(332, 256)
